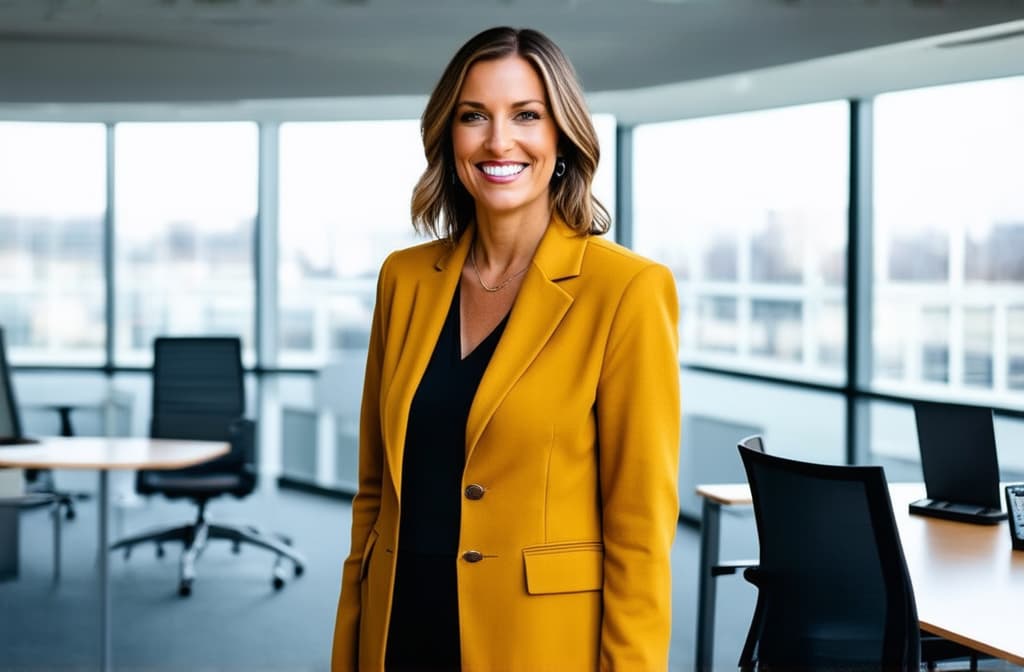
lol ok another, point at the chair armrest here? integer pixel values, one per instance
(29, 500)
(754, 575)
(242, 436)
(731, 567)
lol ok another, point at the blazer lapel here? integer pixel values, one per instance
(429, 306)
(536, 314)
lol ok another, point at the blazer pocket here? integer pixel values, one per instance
(371, 541)
(564, 567)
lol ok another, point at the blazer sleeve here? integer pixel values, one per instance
(366, 503)
(638, 419)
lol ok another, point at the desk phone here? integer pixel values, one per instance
(1015, 509)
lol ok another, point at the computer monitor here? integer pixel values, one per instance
(958, 454)
(10, 423)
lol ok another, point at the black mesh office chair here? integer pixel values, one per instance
(833, 591)
(37, 481)
(198, 394)
(934, 649)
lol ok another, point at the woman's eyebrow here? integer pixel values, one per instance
(480, 106)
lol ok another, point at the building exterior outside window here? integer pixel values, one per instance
(949, 235)
(184, 215)
(52, 206)
(749, 211)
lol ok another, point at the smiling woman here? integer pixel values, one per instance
(521, 382)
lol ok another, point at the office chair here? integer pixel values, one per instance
(833, 590)
(198, 394)
(37, 481)
(754, 442)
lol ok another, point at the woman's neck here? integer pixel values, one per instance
(506, 242)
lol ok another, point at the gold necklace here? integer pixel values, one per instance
(487, 288)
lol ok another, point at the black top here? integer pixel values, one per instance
(424, 626)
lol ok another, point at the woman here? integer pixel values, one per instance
(520, 422)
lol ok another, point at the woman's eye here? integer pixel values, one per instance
(528, 115)
(467, 117)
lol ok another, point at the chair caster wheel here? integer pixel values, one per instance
(299, 570)
(278, 583)
(159, 551)
(185, 588)
(70, 515)
(236, 548)
(127, 553)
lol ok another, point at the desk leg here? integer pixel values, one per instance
(104, 557)
(710, 529)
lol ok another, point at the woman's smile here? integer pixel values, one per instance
(501, 172)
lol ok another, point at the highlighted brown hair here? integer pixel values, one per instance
(445, 209)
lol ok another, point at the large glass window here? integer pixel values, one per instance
(749, 211)
(52, 205)
(344, 205)
(604, 179)
(185, 213)
(949, 232)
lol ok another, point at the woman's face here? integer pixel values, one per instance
(504, 139)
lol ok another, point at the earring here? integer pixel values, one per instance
(560, 167)
(453, 178)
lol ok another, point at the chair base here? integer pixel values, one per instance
(195, 536)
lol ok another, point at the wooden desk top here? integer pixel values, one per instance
(968, 582)
(110, 453)
(727, 494)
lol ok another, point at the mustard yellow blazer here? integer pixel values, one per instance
(572, 441)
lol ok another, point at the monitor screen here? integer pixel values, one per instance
(958, 453)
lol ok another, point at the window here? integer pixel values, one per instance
(52, 205)
(749, 211)
(1015, 347)
(949, 237)
(603, 186)
(345, 190)
(184, 211)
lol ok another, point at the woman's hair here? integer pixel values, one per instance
(441, 206)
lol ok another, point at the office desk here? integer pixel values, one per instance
(104, 455)
(968, 582)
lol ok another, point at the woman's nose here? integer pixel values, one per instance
(499, 137)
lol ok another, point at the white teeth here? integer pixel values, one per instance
(504, 170)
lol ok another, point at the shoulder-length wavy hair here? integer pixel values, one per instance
(441, 206)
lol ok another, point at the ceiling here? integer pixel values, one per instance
(112, 51)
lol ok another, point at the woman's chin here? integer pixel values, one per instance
(509, 206)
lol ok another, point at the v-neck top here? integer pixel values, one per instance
(435, 444)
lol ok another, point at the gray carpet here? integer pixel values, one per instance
(234, 620)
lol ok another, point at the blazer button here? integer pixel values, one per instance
(472, 556)
(474, 491)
